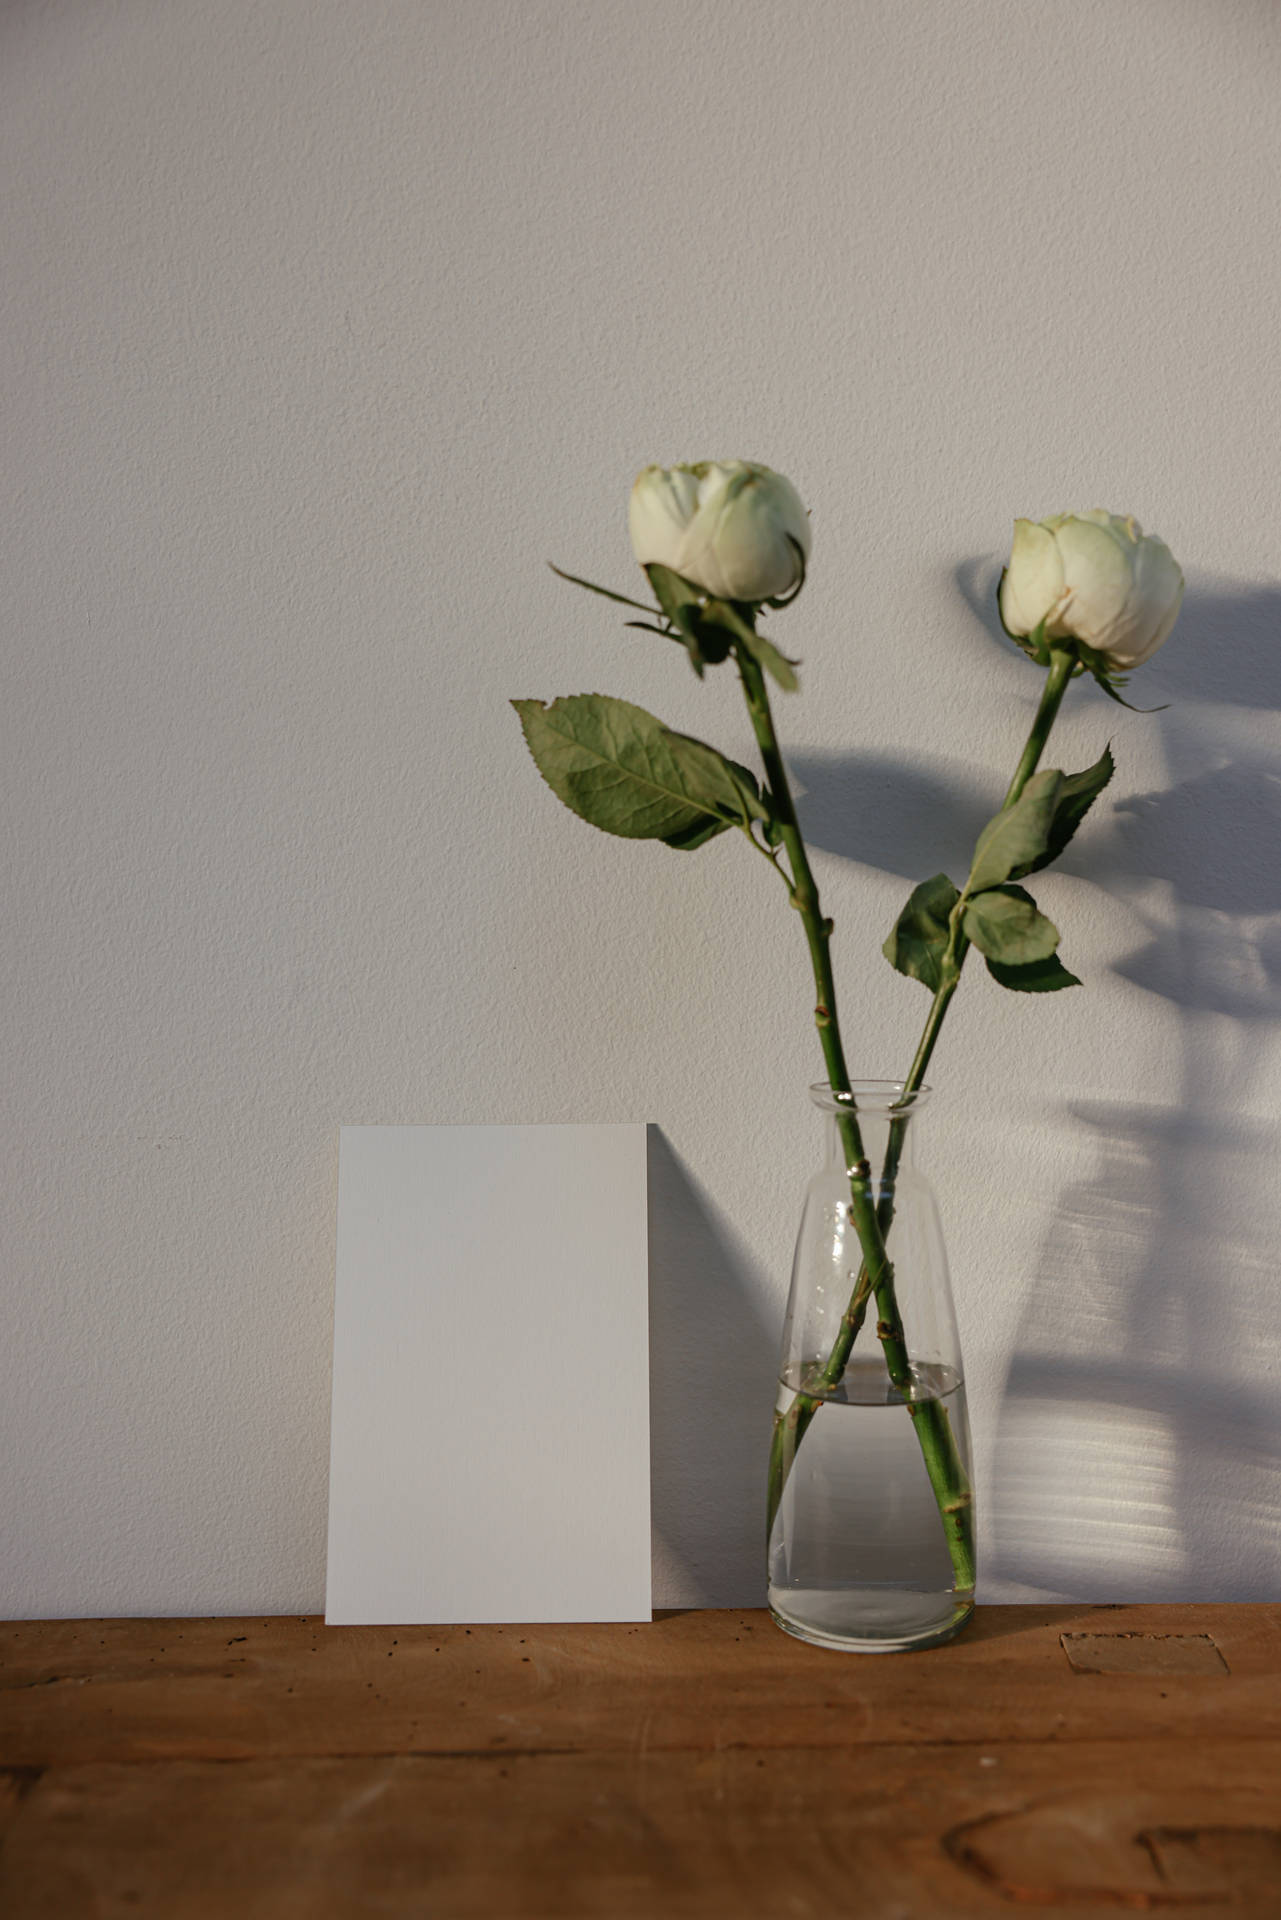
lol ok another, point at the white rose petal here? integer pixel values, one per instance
(1094, 577)
(662, 506)
(1033, 582)
(727, 526)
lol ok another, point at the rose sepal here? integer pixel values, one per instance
(1095, 663)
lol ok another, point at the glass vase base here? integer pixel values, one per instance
(869, 1619)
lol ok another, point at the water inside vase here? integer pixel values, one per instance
(857, 1554)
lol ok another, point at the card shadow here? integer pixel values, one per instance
(713, 1376)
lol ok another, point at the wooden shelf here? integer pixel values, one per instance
(1066, 1758)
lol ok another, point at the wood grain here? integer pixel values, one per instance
(232, 1689)
(708, 1764)
(923, 1831)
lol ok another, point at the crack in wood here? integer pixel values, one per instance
(964, 1844)
(1192, 1866)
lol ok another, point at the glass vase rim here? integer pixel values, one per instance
(886, 1097)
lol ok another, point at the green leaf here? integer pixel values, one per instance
(1077, 795)
(695, 837)
(620, 769)
(1004, 924)
(1039, 976)
(1026, 837)
(745, 783)
(606, 593)
(1015, 839)
(919, 939)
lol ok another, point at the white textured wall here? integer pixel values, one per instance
(325, 325)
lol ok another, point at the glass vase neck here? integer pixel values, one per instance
(879, 1110)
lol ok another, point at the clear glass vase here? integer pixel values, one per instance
(871, 1508)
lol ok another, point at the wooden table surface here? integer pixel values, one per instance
(1070, 1759)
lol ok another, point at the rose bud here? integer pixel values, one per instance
(731, 527)
(1094, 577)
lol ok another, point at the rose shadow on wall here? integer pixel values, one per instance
(713, 1376)
(1126, 1465)
(1170, 1244)
(1148, 1350)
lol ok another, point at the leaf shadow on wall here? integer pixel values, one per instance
(713, 1376)
(1138, 1450)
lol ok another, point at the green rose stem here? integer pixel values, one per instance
(783, 1449)
(933, 1429)
(1062, 666)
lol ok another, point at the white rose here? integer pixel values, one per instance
(725, 525)
(1095, 577)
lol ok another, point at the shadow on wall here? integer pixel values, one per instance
(1138, 1446)
(713, 1373)
(1139, 1438)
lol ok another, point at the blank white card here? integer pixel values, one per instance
(489, 1447)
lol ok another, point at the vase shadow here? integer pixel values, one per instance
(713, 1377)
(1138, 1448)
(1030, 1617)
